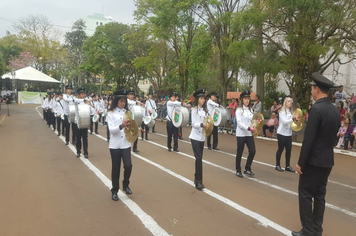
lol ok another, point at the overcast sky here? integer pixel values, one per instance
(64, 12)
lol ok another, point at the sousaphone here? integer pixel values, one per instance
(132, 131)
(297, 125)
(257, 123)
(210, 122)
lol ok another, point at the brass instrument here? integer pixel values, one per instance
(132, 131)
(297, 125)
(210, 122)
(257, 123)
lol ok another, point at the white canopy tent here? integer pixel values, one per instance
(31, 74)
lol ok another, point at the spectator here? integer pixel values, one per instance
(257, 107)
(341, 110)
(232, 107)
(341, 134)
(353, 102)
(340, 95)
(275, 107)
(270, 124)
(349, 133)
(306, 116)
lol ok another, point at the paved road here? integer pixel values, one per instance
(47, 190)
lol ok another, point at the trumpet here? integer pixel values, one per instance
(297, 125)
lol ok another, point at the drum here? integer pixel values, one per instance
(100, 111)
(62, 116)
(220, 115)
(83, 116)
(180, 116)
(71, 115)
(96, 117)
(136, 113)
(149, 121)
(154, 115)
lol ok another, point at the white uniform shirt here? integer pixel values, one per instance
(44, 103)
(211, 105)
(151, 106)
(198, 115)
(170, 107)
(117, 137)
(58, 109)
(243, 121)
(285, 120)
(68, 101)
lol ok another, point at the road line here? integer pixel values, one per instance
(261, 163)
(146, 219)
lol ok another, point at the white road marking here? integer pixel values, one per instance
(146, 219)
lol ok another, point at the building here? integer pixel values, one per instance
(95, 20)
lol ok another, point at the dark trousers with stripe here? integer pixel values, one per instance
(116, 156)
(198, 148)
(172, 130)
(59, 121)
(215, 138)
(82, 135)
(250, 142)
(284, 142)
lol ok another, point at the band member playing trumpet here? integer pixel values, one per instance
(244, 134)
(284, 133)
(211, 104)
(119, 147)
(82, 134)
(197, 138)
(171, 129)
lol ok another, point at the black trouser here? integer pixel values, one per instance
(116, 156)
(180, 132)
(153, 128)
(67, 125)
(59, 124)
(74, 132)
(215, 138)
(284, 142)
(53, 120)
(91, 125)
(144, 129)
(107, 132)
(134, 147)
(44, 114)
(172, 130)
(82, 134)
(48, 117)
(198, 147)
(312, 185)
(250, 142)
(271, 129)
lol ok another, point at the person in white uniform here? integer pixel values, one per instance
(171, 129)
(284, 134)
(211, 104)
(68, 100)
(119, 147)
(244, 133)
(197, 138)
(151, 108)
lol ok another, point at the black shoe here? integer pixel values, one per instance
(180, 138)
(114, 197)
(146, 139)
(135, 150)
(216, 149)
(289, 169)
(107, 140)
(127, 190)
(199, 186)
(239, 174)
(176, 150)
(58, 134)
(279, 168)
(249, 173)
(67, 143)
(86, 156)
(209, 147)
(300, 233)
(153, 131)
(96, 133)
(169, 149)
(91, 132)
(78, 154)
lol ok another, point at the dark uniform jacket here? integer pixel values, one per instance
(320, 135)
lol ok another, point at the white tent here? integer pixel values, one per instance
(31, 74)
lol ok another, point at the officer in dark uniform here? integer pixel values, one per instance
(316, 157)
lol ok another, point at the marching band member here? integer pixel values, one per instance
(151, 108)
(211, 104)
(244, 134)
(58, 109)
(144, 127)
(171, 129)
(284, 134)
(44, 107)
(53, 116)
(48, 117)
(107, 127)
(197, 138)
(131, 102)
(119, 147)
(68, 100)
(180, 129)
(82, 134)
(94, 108)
